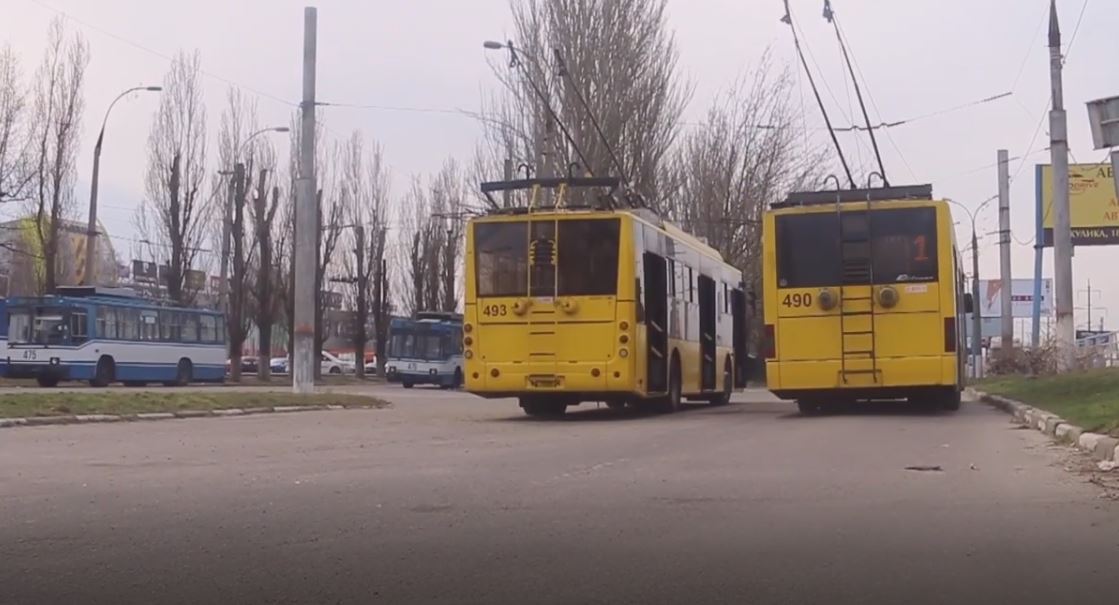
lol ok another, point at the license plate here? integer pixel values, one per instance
(544, 382)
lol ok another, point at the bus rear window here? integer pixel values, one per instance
(904, 247)
(506, 258)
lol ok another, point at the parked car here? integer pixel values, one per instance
(331, 364)
(371, 368)
(278, 365)
(248, 365)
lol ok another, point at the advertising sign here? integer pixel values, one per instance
(144, 272)
(1021, 297)
(1093, 208)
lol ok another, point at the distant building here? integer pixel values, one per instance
(21, 259)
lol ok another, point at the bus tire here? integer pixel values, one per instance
(457, 383)
(406, 384)
(47, 381)
(723, 398)
(543, 408)
(671, 402)
(950, 402)
(184, 373)
(104, 373)
(809, 407)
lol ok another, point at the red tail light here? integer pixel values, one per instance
(950, 336)
(770, 344)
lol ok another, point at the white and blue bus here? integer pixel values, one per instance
(104, 336)
(426, 349)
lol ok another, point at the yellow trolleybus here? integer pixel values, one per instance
(863, 298)
(568, 304)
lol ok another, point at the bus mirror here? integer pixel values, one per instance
(969, 303)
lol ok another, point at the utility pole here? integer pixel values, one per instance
(226, 226)
(1062, 227)
(976, 319)
(362, 302)
(303, 373)
(1007, 307)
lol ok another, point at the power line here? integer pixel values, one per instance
(161, 55)
(1029, 49)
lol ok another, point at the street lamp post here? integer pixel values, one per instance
(976, 319)
(89, 276)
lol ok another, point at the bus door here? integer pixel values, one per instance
(707, 333)
(739, 326)
(656, 322)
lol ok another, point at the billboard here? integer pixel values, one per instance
(143, 272)
(1021, 297)
(1093, 207)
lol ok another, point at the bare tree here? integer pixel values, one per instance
(55, 127)
(329, 219)
(364, 194)
(449, 193)
(238, 156)
(14, 173)
(417, 241)
(173, 216)
(746, 154)
(617, 56)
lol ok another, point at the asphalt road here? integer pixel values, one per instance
(450, 499)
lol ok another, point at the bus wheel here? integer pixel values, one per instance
(950, 401)
(105, 372)
(543, 407)
(671, 402)
(457, 384)
(728, 386)
(809, 407)
(183, 374)
(406, 384)
(47, 381)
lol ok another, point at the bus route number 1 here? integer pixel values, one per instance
(797, 300)
(495, 310)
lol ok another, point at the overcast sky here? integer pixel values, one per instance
(919, 57)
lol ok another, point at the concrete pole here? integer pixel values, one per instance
(1062, 228)
(89, 276)
(1007, 308)
(303, 362)
(976, 319)
(226, 226)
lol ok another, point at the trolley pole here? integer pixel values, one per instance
(303, 373)
(1062, 227)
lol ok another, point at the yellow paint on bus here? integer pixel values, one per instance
(863, 299)
(570, 306)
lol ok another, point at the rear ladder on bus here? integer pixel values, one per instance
(856, 313)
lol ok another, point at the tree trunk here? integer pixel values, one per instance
(265, 304)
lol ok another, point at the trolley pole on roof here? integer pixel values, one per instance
(303, 372)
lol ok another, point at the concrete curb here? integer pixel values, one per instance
(1100, 447)
(179, 414)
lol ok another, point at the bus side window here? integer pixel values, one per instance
(190, 328)
(672, 278)
(691, 285)
(208, 332)
(79, 327)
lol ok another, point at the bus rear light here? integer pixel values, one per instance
(623, 325)
(468, 341)
(467, 328)
(623, 352)
(595, 372)
(624, 338)
(950, 335)
(770, 344)
(495, 373)
(468, 354)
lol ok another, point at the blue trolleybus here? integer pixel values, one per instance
(109, 335)
(426, 349)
